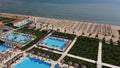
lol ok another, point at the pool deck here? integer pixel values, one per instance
(9, 58)
(68, 42)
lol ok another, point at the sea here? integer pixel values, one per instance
(96, 11)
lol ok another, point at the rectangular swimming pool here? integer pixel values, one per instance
(55, 42)
(29, 62)
(4, 47)
(22, 23)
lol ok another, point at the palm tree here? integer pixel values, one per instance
(73, 31)
(69, 64)
(65, 30)
(105, 35)
(113, 36)
(62, 61)
(58, 29)
(83, 66)
(103, 40)
(96, 36)
(111, 41)
(76, 65)
(90, 34)
(83, 33)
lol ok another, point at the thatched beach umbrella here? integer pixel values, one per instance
(43, 55)
(32, 52)
(62, 61)
(47, 57)
(39, 54)
(69, 63)
(76, 65)
(83, 66)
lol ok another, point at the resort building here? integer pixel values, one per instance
(20, 22)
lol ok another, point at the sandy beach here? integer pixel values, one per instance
(73, 27)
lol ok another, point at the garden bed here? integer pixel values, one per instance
(80, 62)
(111, 54)
(85, 47)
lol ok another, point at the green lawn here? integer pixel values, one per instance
(105, 67)
(111, 54)
(85, 47)
(39, 35)
(6, 20)
(64, 35)
(80, 62)
(52, 55)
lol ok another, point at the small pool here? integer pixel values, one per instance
(22, 23)
(4, 47)
(55, 42)
(29, 62)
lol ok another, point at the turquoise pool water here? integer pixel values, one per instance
(16, 37)
(4, 47)
(29, 62)
(57, 66)
(22, 23)
(55, 42)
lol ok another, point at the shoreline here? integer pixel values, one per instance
(73, 27)
(55, 18)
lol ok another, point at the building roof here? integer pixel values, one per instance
(18, 20)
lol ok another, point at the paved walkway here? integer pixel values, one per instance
(65, 53)
(99, 59)
(35, 44)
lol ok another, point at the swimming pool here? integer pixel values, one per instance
(55, 42)
(17, 37)
(57, 66)
(22, 23)
(29, 62)
(4, 47)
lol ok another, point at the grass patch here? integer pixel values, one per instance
(85, 47)
(6, 20)
(111, 54)
(80, 62)
(105, 67)
(64, 35)
(39, 35)
(52, 55)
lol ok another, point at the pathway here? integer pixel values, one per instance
(65, 53)
(99, 59)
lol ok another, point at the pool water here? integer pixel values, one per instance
(29, 62)
(22, 23)
(55, 42)
(4, 47)
(57, 66)
(16, 37)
